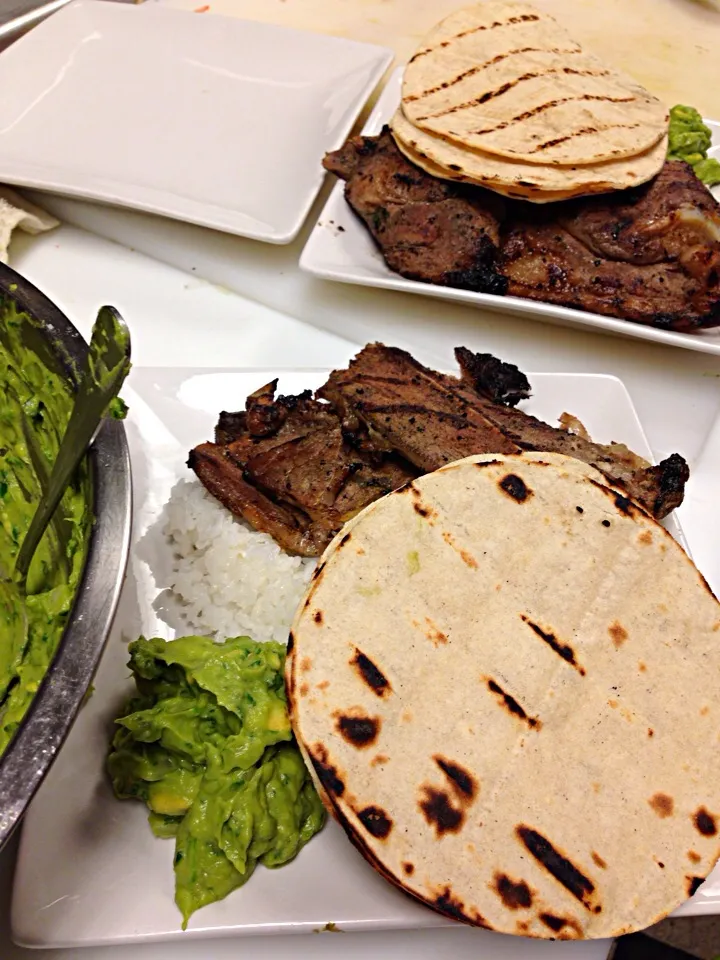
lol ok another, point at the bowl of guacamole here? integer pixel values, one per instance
(53, 631)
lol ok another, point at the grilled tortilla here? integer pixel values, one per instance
(528, 181)
(506, 78)
(504, 679)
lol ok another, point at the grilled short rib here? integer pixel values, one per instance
(427, 229)
(285, 466)
(432, 419)
(650, 254)
(299, 467)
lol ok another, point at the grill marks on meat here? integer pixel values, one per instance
(427, 229)
(225, 481)
(414, 410)
(299, 467)
(285, 466)
(432, 419)
(650, 254)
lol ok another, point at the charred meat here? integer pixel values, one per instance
(427, 229)
(411, 409)
(224, 480)
(650, 254)
(299, 467)
(432, 419)
(286, 467)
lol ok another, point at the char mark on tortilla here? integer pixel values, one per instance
(326, 772)
(705, 822)
(512, 705)
(461, 781)
(515, 894)
(438, 810)
(515, 487)
(510, 85)
(371, 674)
(358, 730)
(376, 822)
(562, 649)
(564, 871)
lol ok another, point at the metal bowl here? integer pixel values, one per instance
(35, 745)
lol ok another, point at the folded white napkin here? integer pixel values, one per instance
(17, 212)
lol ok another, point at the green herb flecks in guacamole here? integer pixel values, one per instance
(690, 141)
(207, 745)
(35, 404)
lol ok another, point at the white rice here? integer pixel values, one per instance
(228, 579)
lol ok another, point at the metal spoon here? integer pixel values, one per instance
(102, 375)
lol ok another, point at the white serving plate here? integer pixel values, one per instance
(89, 870)
(341, 248)
(213, 120)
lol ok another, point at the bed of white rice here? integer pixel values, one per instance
(228, 579)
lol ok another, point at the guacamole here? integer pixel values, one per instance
(207, 745)
(35, 405)
(690, 140)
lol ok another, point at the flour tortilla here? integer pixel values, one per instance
(510, 704)
(506, 78)
(450, 161)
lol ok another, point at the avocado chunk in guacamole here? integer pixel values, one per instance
(35, 405)
(690, 141)
(207, 745)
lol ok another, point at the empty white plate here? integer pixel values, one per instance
(208, 119)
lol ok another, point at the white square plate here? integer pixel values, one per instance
(340, 248)
(213, 120)
(89, 870)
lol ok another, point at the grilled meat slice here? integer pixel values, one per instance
(433, 418)
(287, 469)
(298, 468)
(651, 254)
(661, 488)
(544, 262)
(658, 488)
(261, 416)
(427, 229)
(320, 473)
(290, 528)
(411, 408)
(230, 426)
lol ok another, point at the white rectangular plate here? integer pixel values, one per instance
(89, 870)
(213, 120)
(340, 248)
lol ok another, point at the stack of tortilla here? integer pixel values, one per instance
(499, 95)
(504, 678)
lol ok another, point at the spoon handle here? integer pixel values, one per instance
(102, 376)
